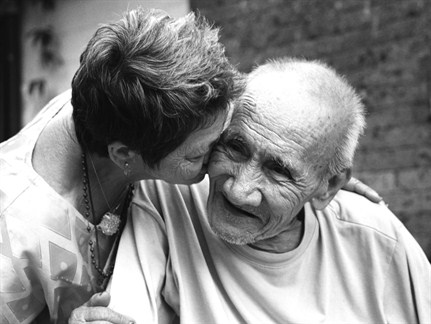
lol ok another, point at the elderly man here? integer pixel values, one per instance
(278, 242)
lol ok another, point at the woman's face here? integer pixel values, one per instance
(188, 163)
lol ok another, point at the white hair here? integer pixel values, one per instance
(331, 90)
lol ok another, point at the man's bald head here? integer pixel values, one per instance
(317, 99)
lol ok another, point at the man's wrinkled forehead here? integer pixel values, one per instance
(264, 106)
(262, 126)
(276, 113)
(245, 110)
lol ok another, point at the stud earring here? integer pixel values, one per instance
(126, 169)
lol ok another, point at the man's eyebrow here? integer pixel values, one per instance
(231, 134)
(285, 165)
(281, 163)
(278, 161)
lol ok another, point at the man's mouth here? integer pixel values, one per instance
(236, 210)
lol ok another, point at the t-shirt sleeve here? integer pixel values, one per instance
(139, 273)
(407, 295)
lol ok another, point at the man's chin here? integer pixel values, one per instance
(232, 238)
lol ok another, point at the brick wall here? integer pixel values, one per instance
(383, 48)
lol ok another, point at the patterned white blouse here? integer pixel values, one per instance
(45, 257)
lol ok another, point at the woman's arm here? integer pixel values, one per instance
(96, 309)
(361, 188)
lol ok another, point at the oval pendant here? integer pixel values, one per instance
(109, 224)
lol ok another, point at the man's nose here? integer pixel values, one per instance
(243, 188)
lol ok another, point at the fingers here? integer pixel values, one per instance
(106, 314)
(362, 189)
(95, 311)
(100, 322)
(97, 314)
(368, 192)
(99, 299)
(383, 203)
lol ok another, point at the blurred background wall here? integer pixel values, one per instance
(383, 47)
(53, 33)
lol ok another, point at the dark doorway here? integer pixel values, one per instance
(10, 72)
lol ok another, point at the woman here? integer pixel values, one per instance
(149, 99)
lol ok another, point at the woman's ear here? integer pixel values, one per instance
(324, 195)
(121, 155)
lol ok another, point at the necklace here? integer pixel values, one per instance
(110, 222)
(108, 226)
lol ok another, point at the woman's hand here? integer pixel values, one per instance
(361, 188)
(96, 310)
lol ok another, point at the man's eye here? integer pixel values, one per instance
(235, 145)
(280, 170)
(236, 149)
(233, 148)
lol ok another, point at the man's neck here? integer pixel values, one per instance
(286, 241)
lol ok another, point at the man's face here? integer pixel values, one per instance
(263, 171)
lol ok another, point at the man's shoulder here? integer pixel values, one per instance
(353, 210)
(154, 190)
(163, 198)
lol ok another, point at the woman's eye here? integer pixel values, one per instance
(195, 158)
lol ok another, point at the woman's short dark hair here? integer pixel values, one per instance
(149, 81)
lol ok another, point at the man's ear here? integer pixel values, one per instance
(120, 154)
(325, 194)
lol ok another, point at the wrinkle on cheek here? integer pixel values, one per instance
(255, 175)
(179, 169)
(185, 169)
(218, 164)
(292, 197)
(238, 171)
(216, 158)
(280, 219)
